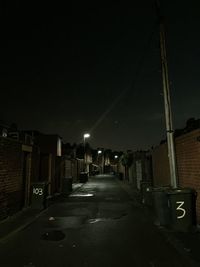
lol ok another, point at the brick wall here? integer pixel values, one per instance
(11, 170)
(160, 164)
(188, 163)
(35, 162)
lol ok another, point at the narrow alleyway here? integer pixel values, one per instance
(98, 225)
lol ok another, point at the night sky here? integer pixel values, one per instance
(76, 68)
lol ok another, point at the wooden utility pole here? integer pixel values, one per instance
(167, 102)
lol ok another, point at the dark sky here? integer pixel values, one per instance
(63, 67)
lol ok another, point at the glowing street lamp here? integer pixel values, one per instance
(86, 135)
(116, 157)
(99, 152)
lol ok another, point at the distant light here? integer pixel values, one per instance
(116, 157)
(86, 135)
(99, 151)
(4, 133)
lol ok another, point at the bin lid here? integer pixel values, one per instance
(181, 190)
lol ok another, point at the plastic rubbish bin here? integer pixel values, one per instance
(67, 185)
(39, 195)
(83, 178)
(161, 207)
(182, 206)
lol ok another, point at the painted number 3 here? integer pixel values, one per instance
(38, 191)
(181, 209)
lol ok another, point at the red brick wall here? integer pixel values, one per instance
(188, 162)
(160, 162)
(11, 168)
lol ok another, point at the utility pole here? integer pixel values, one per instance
(167, 102)
(85, 136)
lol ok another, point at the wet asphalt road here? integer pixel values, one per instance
(99, 225)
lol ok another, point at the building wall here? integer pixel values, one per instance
(121, 169)
(35, 161)
(75, 177)
(72, 168)
(67, 168)
(50, 172)
(57, 176)
(141, 168)
(132, 174)
(49, 144)
(20, 166)
(80, 166)
(160, 164)
(11, 177)
(188, 163)
(45, 167)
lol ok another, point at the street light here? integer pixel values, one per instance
(100, 153)
(116, 157)
(85, 136)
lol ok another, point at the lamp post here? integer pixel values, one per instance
(167, 101)
(116, 161)
(85, 136)
(100, 153)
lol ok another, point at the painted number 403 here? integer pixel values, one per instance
(38, 191)
(180, 209)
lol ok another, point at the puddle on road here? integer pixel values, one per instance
(98, 220)
(55, 235)
(81, 195)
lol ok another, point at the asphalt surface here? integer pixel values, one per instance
(101, 224)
